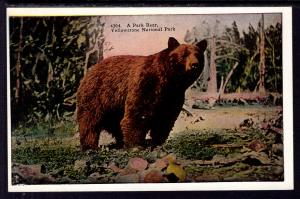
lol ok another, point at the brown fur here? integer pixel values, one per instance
(130, 95)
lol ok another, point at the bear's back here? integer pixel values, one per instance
(107, 81)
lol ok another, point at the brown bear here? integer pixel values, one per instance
(131, 95)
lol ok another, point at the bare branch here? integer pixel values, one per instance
(226, 57)
(222, 89)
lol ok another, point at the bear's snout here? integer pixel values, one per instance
(195, 66)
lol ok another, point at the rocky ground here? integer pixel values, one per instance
(225, 143)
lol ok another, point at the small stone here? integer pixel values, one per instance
(127, 171)
(27, 170)
(279, 161)
(159, 164)
(112, 166)
(257, 146)
(169, 157)
(94, 177)
(30, 174)
(277, 149)
(254, 157)
(138, 164)
(154, 176)
(130, 178)
(277, 170)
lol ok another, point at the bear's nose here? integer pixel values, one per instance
(194, 66)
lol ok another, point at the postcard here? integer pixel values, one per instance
(149, 99)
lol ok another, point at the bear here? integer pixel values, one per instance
(129, 96)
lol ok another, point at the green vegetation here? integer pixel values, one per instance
(49, 56)
(243, 154)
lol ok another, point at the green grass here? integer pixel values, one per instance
(197, 145)
(59, 150)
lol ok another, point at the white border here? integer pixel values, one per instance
(288, 182)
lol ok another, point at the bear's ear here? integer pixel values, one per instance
(172, 43)
(202, 45)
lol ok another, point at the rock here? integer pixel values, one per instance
(127, 171)
(254, 158)
(159, 164)
(175, 172)
(27, 170)
(277, 170)
(277, 149)
(154, 176)
(142, 174)
(279, 161)
(112, 166)
(138, 164)
(257, 146)
(199, 104)
(247, 123)
(30, 174)
(169, 157)
(94, 177)
(17, 179)
(130, 178)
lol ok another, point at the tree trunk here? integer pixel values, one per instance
(212, 83)
(262, 67)
(18, 65)
(96, 47)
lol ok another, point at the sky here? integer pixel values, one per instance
(147, 43)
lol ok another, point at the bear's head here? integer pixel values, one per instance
(187, 60)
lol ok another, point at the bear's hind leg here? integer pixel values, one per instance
(116, 132)
(89, 136)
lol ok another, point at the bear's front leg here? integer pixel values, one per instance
(134, 131)
(141, 101)
(165, 119)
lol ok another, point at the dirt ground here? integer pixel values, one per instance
(224, 143)
(219, 117)
(227, 117)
